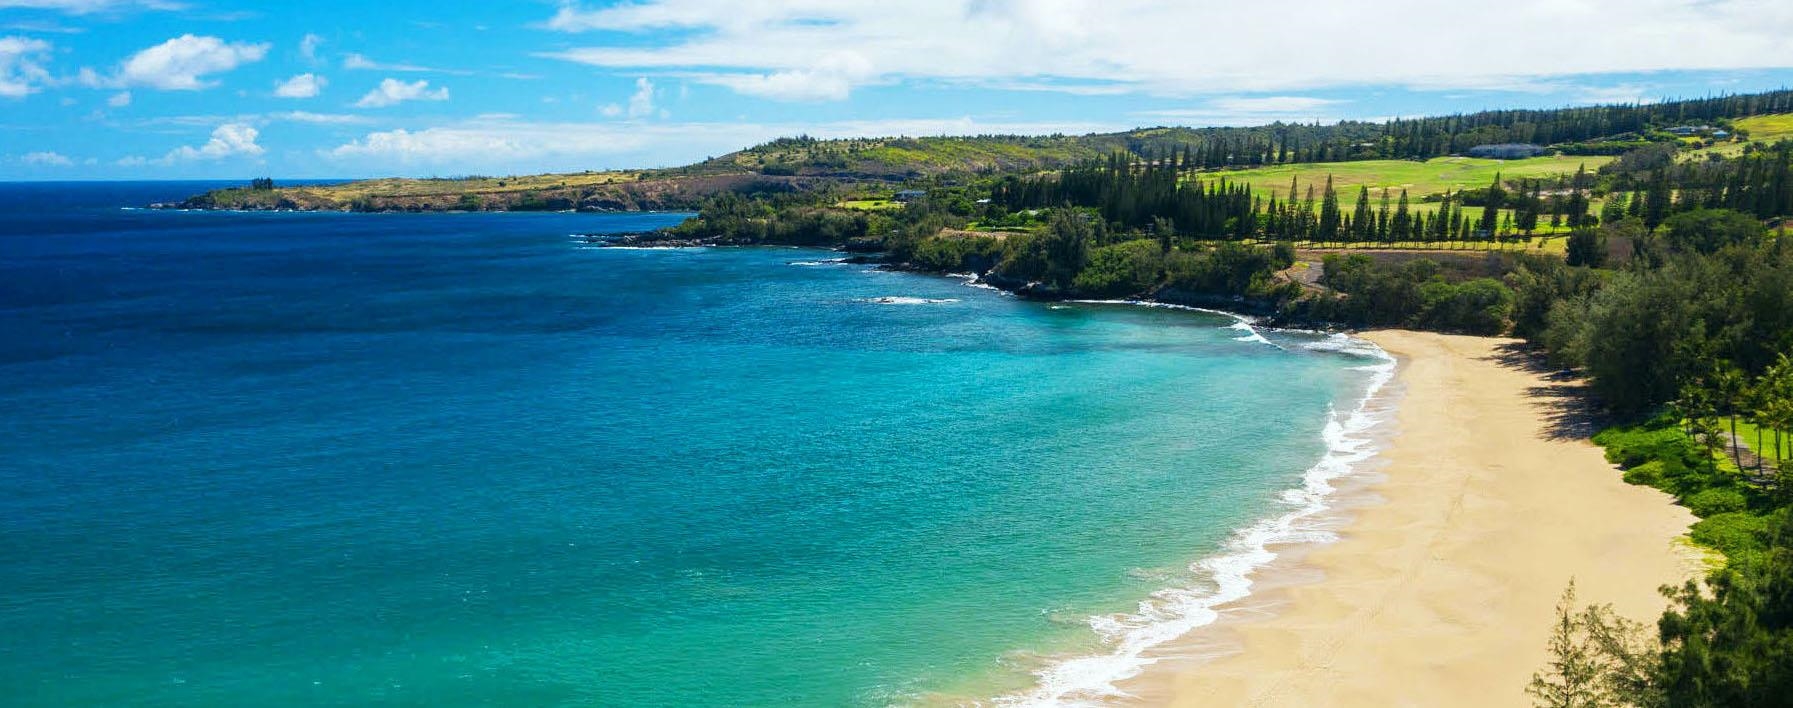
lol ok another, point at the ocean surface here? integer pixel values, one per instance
(465, 459)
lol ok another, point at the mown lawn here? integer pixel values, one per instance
(870, 204)
(1433, 176)
(1537, 244)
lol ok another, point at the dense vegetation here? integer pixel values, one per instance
(1647, 183)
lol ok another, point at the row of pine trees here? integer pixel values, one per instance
(1149, 195)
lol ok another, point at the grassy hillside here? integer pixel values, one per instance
(1769, 128)
(1760, 131)
(592, 191)
(898, 158)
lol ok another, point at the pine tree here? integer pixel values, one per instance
(1441, 223)
(1382, 218)
(1656, 202)
(1401, 226)
(1363, 223)
(1613, 210)
(1329, 214)
(1574, 678)
(1578, 200)
(1442, 215)
(1491, 206)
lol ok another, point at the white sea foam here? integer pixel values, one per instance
(971, 281)
(897, 300)
(654, 248)
(1347, 344)
(1173, 612)
(829, 262)
(1251, 334)
(1243, 323)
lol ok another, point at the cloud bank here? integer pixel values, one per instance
(820, 50)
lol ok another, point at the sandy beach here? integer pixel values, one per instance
(1451, 557)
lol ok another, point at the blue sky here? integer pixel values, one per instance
(169, 89)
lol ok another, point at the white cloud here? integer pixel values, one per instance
(392, 92)
(87, 7)
(1622, 93)
(228, 140)
(502, 144)
(360, 62)
(1251, 111)
(823, 50)
(22, 70)
(831, 79)
(46, 159)
(119, 100)
(319, 118)
(304, 85)
(641, 103)
(180, 64)
(308, 47)
(1273, 104)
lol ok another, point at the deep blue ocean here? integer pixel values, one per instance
(465, 459)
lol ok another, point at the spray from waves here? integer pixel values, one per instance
(899, 300)
(972, 281)
(1243, 323)
(1346, 344)
(1251, 334)
(1173, 612)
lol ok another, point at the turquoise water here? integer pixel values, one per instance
(466, 460)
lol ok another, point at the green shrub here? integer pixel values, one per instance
(1648, 474)
(1733, 533)
(1655, 441)
(1478, 306)
(1128, 268)
(956, 255)
(1715, 501)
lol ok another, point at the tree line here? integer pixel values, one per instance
(1584, 130)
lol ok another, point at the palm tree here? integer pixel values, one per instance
(1699, 414)
(1774, 403)
(1728, 386)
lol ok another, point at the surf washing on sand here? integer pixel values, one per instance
(1174, 612)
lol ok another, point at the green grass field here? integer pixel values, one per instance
(1433, 176)
(1767, 128)
(870, 204)
(1763, 130)
(1746, 431)
(1537, 244)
